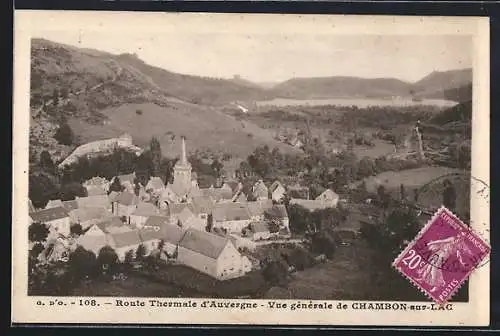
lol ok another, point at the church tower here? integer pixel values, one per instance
(182, 172)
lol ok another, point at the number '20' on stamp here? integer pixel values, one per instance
(442, 256)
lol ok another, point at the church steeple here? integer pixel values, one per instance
(183, 152)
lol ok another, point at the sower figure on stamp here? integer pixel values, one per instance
(432, 272)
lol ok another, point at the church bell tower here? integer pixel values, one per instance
(182, 171)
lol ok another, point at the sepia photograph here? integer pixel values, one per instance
(241, 162)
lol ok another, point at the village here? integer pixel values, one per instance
(206, 229)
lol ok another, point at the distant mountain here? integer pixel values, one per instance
(330, 87)
(453, 85)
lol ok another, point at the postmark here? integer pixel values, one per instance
(442, 256)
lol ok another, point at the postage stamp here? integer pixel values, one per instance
(442, 256)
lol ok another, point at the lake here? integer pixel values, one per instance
(359, 102)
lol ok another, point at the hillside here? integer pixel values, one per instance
(453, 85)
(329, 87)
(99, 94)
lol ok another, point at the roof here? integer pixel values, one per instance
(217, 193)
(275, 185)
(95, 191)
(145, 209)
(54, 204)
(259, 227)
(125, 238)
(311, 205)
(202, 204)
(97, 201)
(126, 198)
(278, 211)
(184, 215)
(47, 215)
(327, 194)
(260, 189)
(70, 205)
(205, 243)
(156, 221)
(113, 224)
(93, 243)
(230, 212)
(155, 183)
(112, 196)
(127, 178)
(177, 208)
(150, 234)
(240, 197)
(257, 208)
(172, 234)
(86, 214)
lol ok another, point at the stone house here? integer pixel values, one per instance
(57, 219)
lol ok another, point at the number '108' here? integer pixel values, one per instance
(88, 302)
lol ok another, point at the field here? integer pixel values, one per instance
(204, 128)
(380, 148)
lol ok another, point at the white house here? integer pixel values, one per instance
(124, 204)
(211, 254)
(260, 191)
(141, 213)
(57, 219)
(329, 197)
(277, 191)
(232, 217)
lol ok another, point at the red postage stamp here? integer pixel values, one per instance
(442, 256)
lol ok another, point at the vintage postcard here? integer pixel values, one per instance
(195, 168)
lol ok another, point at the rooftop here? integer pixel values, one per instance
(126, 198)
(230, 212)
(48, 215)
(205, 243)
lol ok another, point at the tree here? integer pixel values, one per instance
(76, 229)
(140, 253)
(82, 263)
(35, 251)
(210, 223)
(72, 190)
(449, 195)
(137, 188)
(402, 192)
(275, 272)
(156, 156)
(42, 188)
(46, 162)
(55, 97)
(38, 232)
(64, 134)
(107, 259)
(129, 258)
(116, 185)
(216, 168)
(299, 218)
(366, 167)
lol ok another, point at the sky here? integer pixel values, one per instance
(269, 58)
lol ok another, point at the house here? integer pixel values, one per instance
(97, 201)
(232, 217)
(172, 235)
(156, 222)
(124, 204)
(150, 239)
(124, 241)
(260, 191)
(95, 191)
(141, 213)
(329, 197)
(167, 196)
(256, 209)
(298, 191)
(180, 213)
(70, 205)
(155, 185)
(202, 206)
(87, 217)
(279, 215)
(57, 219)
(54, 204)
(277, 191)
(310, 205)
(260, 230)
(211, 254)
(218, 194)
